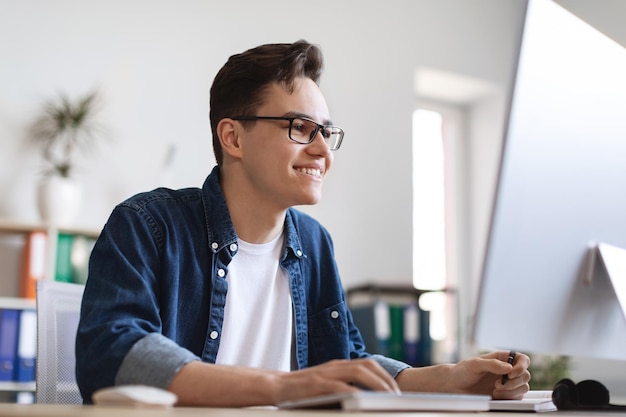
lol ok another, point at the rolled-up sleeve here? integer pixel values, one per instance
(394, 367)
(153, 360)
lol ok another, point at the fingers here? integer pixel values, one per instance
(335, 377)
(515, 385)
(369, 374)
(496, 362)
(485, 375)
(520, 367)
(514, 388)
(510, 393)
(517, 369)
(365, 373)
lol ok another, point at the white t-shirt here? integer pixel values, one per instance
(257, 328)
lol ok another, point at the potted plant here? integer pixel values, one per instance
(547, 370)
(63, 130)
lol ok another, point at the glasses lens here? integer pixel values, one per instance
(302, 130)
(333, 136)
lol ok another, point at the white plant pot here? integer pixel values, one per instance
(59, 200)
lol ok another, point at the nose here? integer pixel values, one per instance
(319, 135)
(319, 145)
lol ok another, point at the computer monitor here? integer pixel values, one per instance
(561, 188)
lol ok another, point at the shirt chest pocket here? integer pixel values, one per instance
(328, 334)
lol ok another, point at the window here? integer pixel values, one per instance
(429, 257)
(433, 218)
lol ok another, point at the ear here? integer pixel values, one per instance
(228, 132)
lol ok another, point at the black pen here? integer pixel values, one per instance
(510, 360)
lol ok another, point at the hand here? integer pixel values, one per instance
(334, 377)
(483, 375)
(209, 385)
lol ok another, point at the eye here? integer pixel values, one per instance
(299, 125)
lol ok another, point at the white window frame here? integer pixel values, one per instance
(453, 127)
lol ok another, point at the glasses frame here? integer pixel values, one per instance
(291, 119)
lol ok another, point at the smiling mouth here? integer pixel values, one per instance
(310, 171)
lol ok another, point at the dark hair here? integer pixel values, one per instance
(239, 86)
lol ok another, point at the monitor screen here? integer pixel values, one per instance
(561, 187)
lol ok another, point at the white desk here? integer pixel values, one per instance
(58, 410)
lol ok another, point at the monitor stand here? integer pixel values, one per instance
(613, 262)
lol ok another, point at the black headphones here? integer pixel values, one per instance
(586, 395)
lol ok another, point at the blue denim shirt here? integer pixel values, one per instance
(155, 296)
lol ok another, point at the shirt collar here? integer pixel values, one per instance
(220, 230)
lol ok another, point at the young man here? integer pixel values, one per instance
(226, 295)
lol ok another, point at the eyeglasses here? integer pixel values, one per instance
(303, 130)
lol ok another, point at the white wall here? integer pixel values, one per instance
(155, 60)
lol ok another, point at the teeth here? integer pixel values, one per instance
(311, 171)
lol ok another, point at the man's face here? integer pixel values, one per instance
(283, 172)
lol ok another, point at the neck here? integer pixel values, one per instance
(256, 220)
(254, 226)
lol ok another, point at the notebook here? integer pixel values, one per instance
(533, 401)
(385, 401)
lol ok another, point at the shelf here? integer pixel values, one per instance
(378, 289)
(17, 386)
(16, 236)
(12, 226)
(17, 246)
(17, 303)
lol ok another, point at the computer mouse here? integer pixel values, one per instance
(134, 395)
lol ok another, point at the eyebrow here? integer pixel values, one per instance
(326, 122)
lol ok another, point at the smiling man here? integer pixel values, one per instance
(227, 295)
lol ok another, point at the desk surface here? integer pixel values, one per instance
(59, 410)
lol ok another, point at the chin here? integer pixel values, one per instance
(310, 201)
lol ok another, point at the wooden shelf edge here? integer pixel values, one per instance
(392, 289)
(20, 226)
(17, 303)
(17, 386)
(16, 226)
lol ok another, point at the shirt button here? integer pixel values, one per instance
(213, 335)
(299, 252)
(334, 314)
(214, 245)
(233, 247)
(221, 273)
